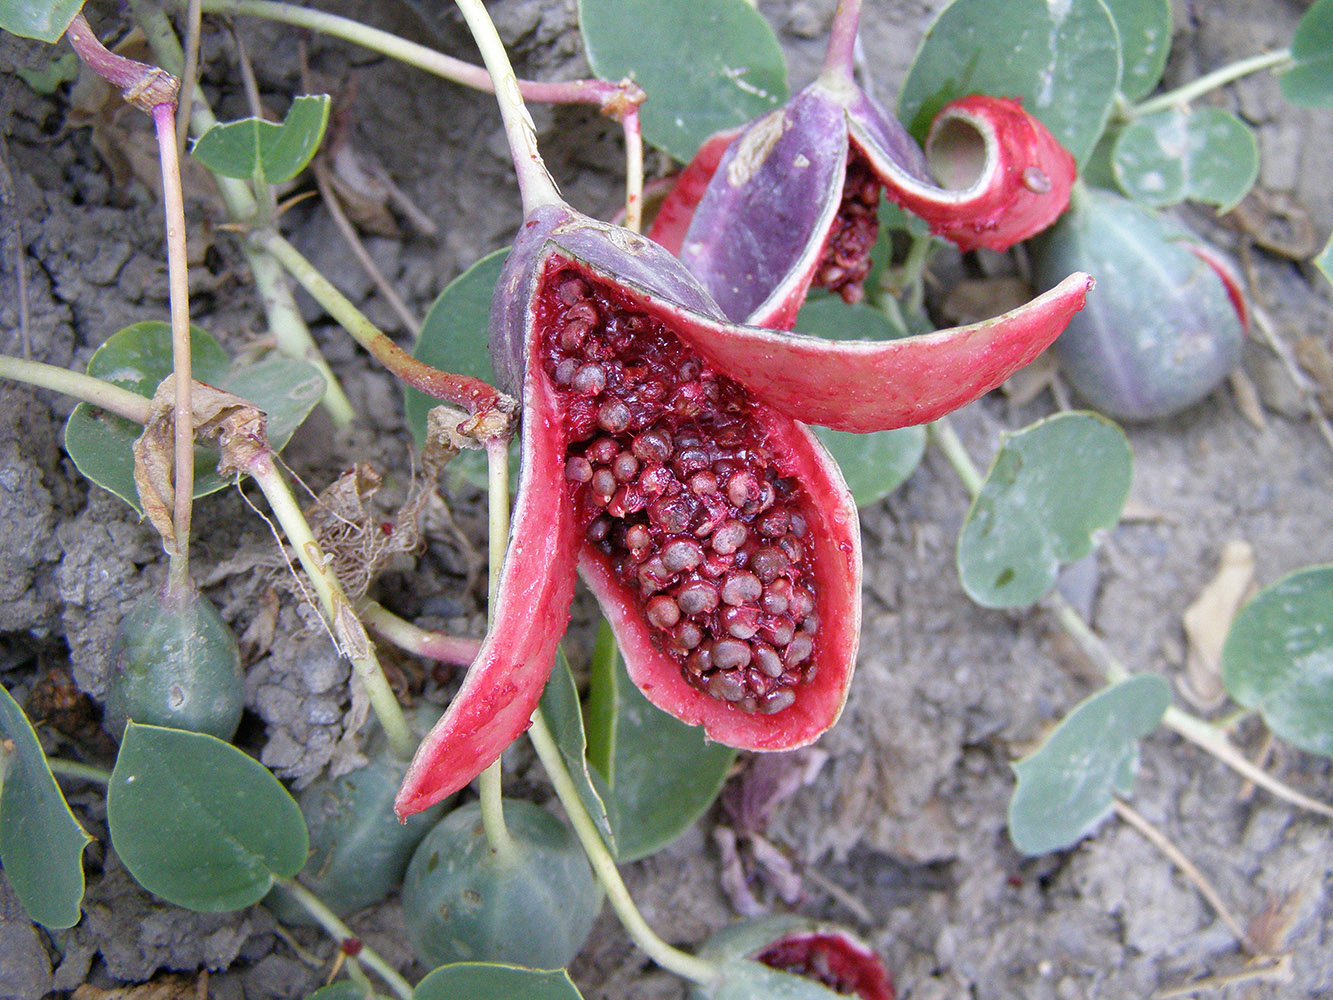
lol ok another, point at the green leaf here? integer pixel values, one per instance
(661, 774)
(1278, 658)
(198, 822)
(1061, 59)
(746, 979)
(560, 706)
(45, 20)
(138, 358)
(454, 338)
(60, 70)
(1066, 787)
(486, 981)
(41, 843)
(255, 149)
(706, 65)
(343, 989)
(1051, 486)
(1205, 154)
(1325, 260)
(1144, 27)
(1310, 81)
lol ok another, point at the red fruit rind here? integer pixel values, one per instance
(1004, 176)
(867, 386)
(1230, 280)
(503, 685)
(834, 959)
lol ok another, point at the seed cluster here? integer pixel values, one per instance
(674, 481)
(846, 260)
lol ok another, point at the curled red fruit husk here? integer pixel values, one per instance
(792, 201)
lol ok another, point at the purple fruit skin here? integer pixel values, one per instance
(1161, 332)
(885, 138)
(747, 239)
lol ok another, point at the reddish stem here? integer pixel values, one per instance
(142, 85)
(840, 55)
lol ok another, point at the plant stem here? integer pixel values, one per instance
(73, 769)
(188, 75)
(178, 281)
(668, 957)
(94, 391)
(534, 181)
(341, 932)
(284, 319)
(633, 169)
(457, 650)
(347, 629)
(1196, 730)
(840, 56)
(1209, 81)
(462, 390)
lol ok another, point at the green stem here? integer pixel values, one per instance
(93, 391)
(1209, 81)
(1203, 734)
(534, 182)
(670, 958)
(347, 628)
(458, 650)
(289, 331)
(73, 769)
(462, 390)
(341, 932)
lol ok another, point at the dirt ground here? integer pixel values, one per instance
(900, 830)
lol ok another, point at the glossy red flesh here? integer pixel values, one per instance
(673, 481)
(833, 960)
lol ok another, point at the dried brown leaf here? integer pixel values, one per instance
(1208, 620)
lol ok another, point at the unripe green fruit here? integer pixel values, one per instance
(1159, 331)
(463, 902)
(175, 664)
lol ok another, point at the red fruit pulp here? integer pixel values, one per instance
(832, 960)
(846, 260)
(675, 483)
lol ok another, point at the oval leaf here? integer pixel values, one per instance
(1051, 486)
(1144, 27)
(198, 822)
(454, 338)
(661, 774)
(1061, 60)
(1310, 81)
(1325, 260)
(255, 149)
(744, 979)
(343, 989)
(564, 716)
(1206, 154)
(486, 981)
(45, 20)
(736, 70)
(138, 358)
(1065, 788)
(41, 843)
(1278, 658)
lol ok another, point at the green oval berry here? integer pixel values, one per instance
(175, 664)
(463, 902)
(1160, 330)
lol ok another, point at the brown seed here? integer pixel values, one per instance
(599, 528)
(798, 650)
(689, 461)
(703, 483)
(779, 631)
(741, 588)
(802, 602)
(602, 451)
(682, 554)
(574, 333)
(653, 445)
(662, 611)
(740, 623)
(794, 550)
(652, 575)
(671, 514)
(624, 466)
(603, 485)
(571, 289)
(583, 312)
(766, 659)
(777, 701)
(564, 372)
(589, 380)
(688, 370)
(768, 564)
(726, 686)
(688, 635)
(578, 469)
(697, 597)
(637, 540)
(774, 524)
(729, 537)
(731, 654)
(700, 660)
(742, 488)
(798, 524)
(777, 595)
(613, 417)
